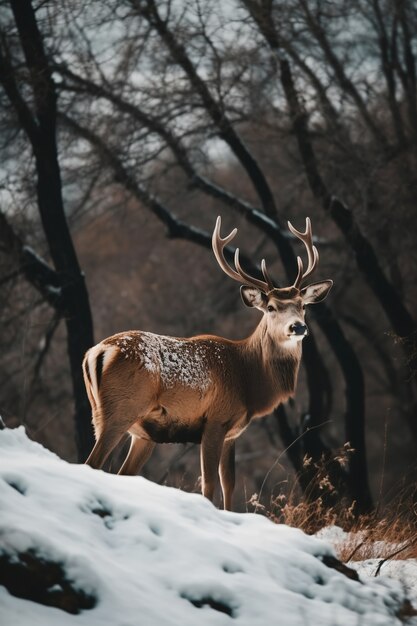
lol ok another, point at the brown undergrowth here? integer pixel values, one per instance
(389, 532)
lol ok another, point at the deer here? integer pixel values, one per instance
(204, 389)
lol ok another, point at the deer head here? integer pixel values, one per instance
(283, 308)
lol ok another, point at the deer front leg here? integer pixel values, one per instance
(210, 453)
(227, 473)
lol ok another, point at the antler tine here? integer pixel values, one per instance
(266, 275)
(249, 279)
(314, 263)
(218, 243)
(240, 276)
(312, 252)
(299, 273)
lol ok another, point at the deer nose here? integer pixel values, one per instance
(298, 328)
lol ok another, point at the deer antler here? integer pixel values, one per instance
(240, 275)
(312, 252)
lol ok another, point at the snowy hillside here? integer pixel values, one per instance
(131, 552)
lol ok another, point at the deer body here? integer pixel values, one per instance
(204, 389)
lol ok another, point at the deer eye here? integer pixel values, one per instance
(270, 308)
(304, 307)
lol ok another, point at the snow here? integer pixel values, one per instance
(403, 571)
(175, 360)
(154, 555)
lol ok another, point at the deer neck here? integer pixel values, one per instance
(275, 360)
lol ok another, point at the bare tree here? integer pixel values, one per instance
(64, 286)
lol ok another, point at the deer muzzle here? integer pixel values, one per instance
(298, 328)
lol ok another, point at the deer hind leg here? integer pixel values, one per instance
(111, 422)
(210, 453)
(227, 473)
(106, 442)
(139, 452)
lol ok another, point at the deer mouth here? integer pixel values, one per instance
(295, 338)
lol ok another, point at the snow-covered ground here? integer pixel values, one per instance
(156, 556)
(404, 571)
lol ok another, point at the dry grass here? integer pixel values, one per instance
(318, 504)
(390, 532)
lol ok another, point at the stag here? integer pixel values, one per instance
(203, 389)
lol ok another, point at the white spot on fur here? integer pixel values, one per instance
(176, 361)
(92, 354)
(293, 340)
(108, 352)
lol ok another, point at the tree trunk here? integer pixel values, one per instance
(40, 127)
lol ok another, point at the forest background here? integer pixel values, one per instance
(126, 128)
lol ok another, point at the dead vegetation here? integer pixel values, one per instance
(389, 532)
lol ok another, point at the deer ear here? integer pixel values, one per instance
(316, 292)
(252, 296)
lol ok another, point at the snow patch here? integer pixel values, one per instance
(176, 361)
(158, 556)
(398, 570)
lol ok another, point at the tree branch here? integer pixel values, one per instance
(35, 269)
(345, 82)
(252, 214)
(39, 70)
(399, 317)
(149, 11)
(22, 110)
(176, 228)
(387, 68)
